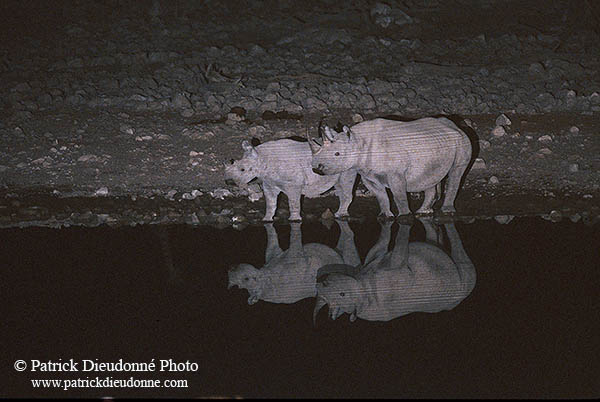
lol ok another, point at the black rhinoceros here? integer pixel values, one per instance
(412, 277)
(289, 276)
(285, 166)
(405, 157)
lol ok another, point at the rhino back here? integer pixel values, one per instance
(437, 280)
(288, 162)
(284, 158)
(292, 277)
(320, 255)
(432, 284)
(424, 150)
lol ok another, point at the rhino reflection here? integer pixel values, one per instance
(290, 275)
(412, 277)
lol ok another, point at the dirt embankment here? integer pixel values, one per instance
(136, 104)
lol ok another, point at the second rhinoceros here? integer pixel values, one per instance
(291, 275)
(285, 166)
(412, 277)
(405, 157)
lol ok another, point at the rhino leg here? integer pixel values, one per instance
(273, 249)
(399, 254)
(432, 235)
(271, 192)
(294, 195)
(430, 199)
(397, 184)
(379, 191)
(343, 189)
(346, 246)
(380, 248)
(295, 248)
(466, 269)
(452, 186)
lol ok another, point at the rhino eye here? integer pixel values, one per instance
(243, 170)
(337, 154)
(232, 161)
(342, 294)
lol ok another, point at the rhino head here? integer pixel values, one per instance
(334, 152)
(340, 292)
(243, 171)
(246, 276)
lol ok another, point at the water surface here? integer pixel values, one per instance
(470, 310)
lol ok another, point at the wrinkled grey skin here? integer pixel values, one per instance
(412, 277)
(402, 156)
(291, 275)
(285, 166)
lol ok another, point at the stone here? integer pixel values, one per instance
(220, 193)
(503, 219)
(556, 216)
(357, 118)
(88, 158)
(536, 68)
(545, 151)
(234, 117)
(493, 180)
(479, 164)
(498, 131)
(256, 131)
(503, 120)
(273, 87)
(192, 219)
(181, 101)
(101, 192)
(327, 214)
(187, 112)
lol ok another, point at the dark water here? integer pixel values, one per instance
(517, 309)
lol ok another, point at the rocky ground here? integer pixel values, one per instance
(115, 111)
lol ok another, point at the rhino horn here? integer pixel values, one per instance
(314, 146)
(329, 136)
(313, 143)
(321, 127)
(321, 302)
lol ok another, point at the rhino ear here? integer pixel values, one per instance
(249, 150)
(329, 135)
(246, 146)
(347, 131)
